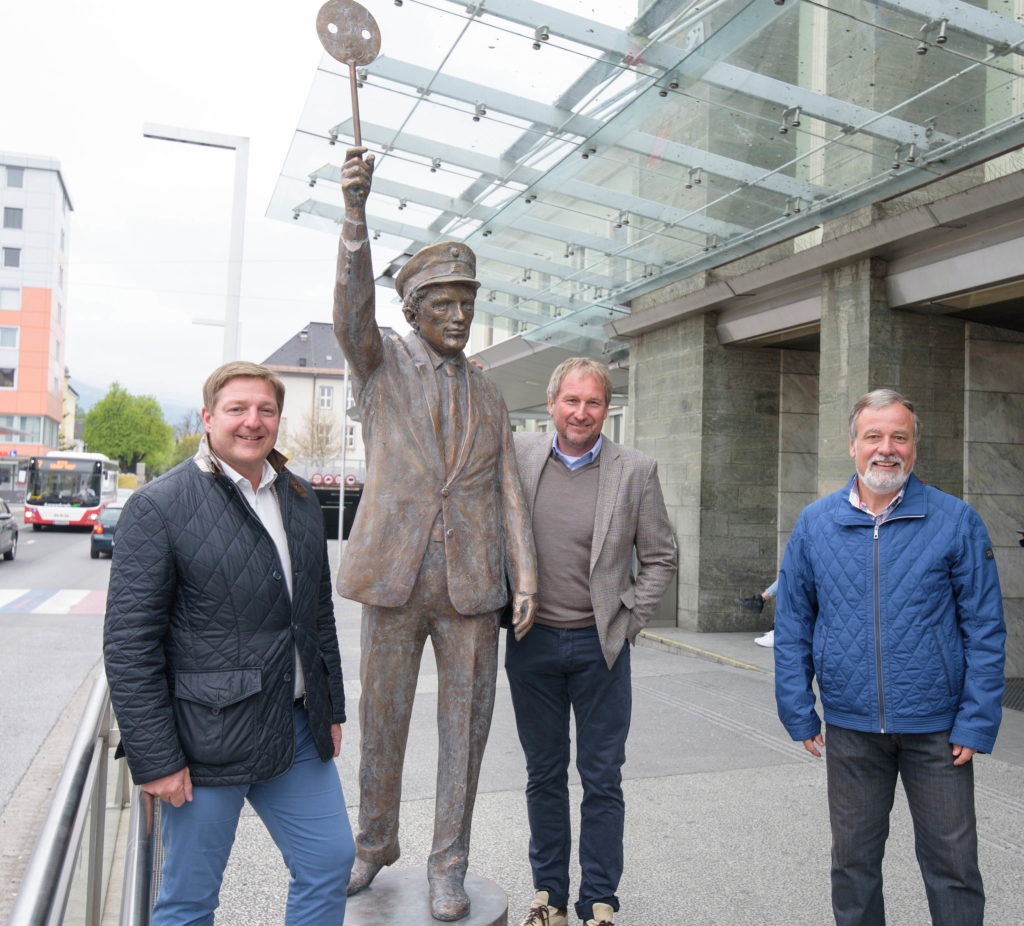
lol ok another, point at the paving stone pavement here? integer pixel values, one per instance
(726, 818)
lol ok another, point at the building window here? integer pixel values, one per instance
(60, 277)
(10, 299)
(7, 377)
(56, 349)
(8, 334)
(350, 437)
(13, 217)
(62, 240)
(327, 397)
(614, 427)
(15, 176)
(60, 312)
(12, 257)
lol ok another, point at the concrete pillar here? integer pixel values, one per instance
(666, 387)
(798, 439)
(866, 345)
(994, 463)
(709, 415)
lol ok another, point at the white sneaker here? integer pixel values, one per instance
(767, 640)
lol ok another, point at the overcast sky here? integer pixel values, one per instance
(148, 241)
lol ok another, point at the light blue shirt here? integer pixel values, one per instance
(577, 462)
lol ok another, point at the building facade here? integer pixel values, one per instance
(33, 318)
(318, 434)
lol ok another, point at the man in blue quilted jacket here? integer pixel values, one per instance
(889, 597)
(222, 657)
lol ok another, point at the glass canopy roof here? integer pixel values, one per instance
(591, 151)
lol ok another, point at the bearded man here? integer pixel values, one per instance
(888, 594)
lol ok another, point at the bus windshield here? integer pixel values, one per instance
(64, 487)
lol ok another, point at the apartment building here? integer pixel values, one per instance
(33, 319)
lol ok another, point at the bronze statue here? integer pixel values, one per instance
(442, 533)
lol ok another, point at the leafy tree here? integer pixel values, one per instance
(184, 448)
(129, 428)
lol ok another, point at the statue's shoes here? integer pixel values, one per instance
(363, 872)
(448, 899)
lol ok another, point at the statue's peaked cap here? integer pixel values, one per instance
(444, 262)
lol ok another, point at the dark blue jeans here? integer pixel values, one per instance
(552, 672)
(862, 770)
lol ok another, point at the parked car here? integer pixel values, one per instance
(102, 539)
(8, 532)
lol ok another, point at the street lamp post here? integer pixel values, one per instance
(240, 146)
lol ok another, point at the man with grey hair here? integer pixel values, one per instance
(595, 504)
(889, 596)
(441, 535)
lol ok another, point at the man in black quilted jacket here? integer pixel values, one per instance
(222, 657)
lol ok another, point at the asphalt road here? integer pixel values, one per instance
(51, 618)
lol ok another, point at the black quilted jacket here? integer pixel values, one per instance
(200, 634)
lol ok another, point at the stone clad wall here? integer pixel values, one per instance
(798, 440)
(709, 416)
(994, 454)
(866, 345)
(665, 370)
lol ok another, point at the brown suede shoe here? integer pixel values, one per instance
(542, 914)
(448, 899)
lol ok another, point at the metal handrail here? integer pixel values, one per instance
(136, 894)
(46, 885)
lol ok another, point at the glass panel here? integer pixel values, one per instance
(616, 147)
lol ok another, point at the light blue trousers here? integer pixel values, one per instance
(304, 810)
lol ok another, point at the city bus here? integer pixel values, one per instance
(69, 489)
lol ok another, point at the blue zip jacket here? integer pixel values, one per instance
(901, 624)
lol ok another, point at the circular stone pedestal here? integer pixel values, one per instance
(401, 895)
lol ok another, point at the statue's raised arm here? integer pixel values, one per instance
(355, 324)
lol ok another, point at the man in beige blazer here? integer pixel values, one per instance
(441, 534)
(605, 554)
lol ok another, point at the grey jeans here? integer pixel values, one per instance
(862, 770)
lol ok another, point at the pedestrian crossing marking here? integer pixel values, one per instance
(53, 601)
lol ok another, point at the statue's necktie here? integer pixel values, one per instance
(453, 424)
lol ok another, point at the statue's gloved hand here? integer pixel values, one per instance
(524, 609)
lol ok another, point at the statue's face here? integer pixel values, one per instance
(444, 316)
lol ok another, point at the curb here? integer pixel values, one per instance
(668, 645)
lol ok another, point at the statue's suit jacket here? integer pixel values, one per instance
(630, 516)
(484, 520)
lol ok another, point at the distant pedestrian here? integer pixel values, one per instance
(223, 661)
(888, 595)
(595, 505)
(757, 603)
